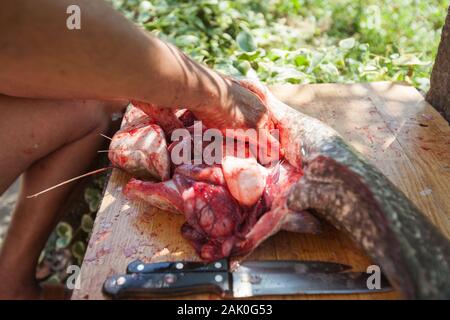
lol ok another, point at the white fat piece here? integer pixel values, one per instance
(245, 178)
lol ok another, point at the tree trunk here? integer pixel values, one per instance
(439, 94)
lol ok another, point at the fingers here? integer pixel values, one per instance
(250, 106)
(242, 106)
(256, 87)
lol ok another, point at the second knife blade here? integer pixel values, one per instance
(293, 266)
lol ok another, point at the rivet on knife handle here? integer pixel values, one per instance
(166, 284)
(138, 266)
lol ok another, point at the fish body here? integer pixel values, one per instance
(342, 187)
(320, 172)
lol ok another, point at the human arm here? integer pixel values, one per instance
(109, 58)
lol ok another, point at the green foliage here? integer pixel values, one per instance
(78, 249)
(302, 41)
(87, 223)
(65, 233)
(67, 244)
(93, 196)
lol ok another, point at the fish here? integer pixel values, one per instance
(343, 188)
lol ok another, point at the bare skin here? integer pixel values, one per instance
(108, 59)
(48, 130)
(49, 140)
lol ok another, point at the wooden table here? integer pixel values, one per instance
(389, 123)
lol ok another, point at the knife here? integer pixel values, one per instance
(245, 281)
(137, 266)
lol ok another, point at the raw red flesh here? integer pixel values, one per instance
(202, 172)
(164, 117)
(133, 114)
(162, 195)
(280, 217)
(140, 149)
(186, 117)
(229, 208)
(215, 224)
(212, 215)
(209, 209)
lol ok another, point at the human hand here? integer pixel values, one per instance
(245, 107)
(237, 107)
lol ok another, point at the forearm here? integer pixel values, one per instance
(109, 58)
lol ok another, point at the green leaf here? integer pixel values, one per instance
(347, 44)
(92, 196)
(78, 249)
(245, 41)
(145, 6)
(408, 60)
(87, 223)
(288, 74)
(64, 230)
(143, 17)
(275, 54)
(244, 67)
(301, 60)
(251, 55)
(63, 242)
(329, 68)
(187, 40)
(228, 69)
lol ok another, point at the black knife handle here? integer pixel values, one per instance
(166, 284)
(138, 266)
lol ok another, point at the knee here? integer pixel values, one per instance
(105, 115)
(103, 121)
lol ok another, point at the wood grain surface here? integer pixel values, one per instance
(391, 124)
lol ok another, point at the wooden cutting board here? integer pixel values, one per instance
(389, 123)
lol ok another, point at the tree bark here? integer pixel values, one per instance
(439, 94)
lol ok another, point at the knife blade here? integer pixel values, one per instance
(294, 266)
(245, 284)
(242, 283)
